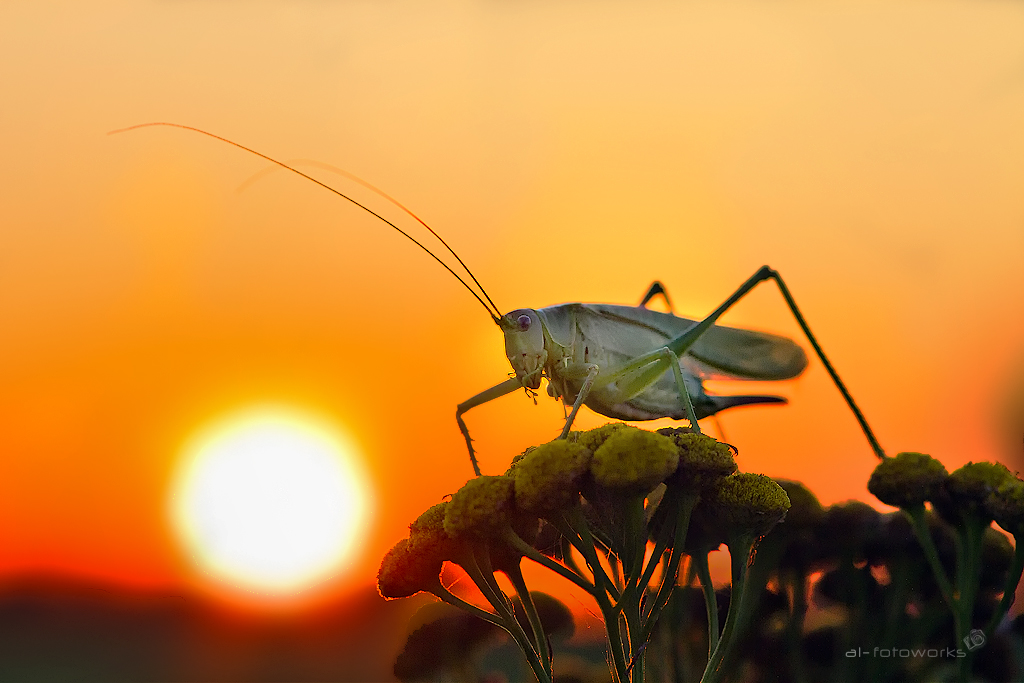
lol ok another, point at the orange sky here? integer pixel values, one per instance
(872, 152)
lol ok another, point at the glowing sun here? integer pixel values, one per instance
(270, 500)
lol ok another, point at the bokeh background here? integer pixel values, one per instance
(155, 280)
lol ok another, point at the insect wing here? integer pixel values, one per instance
(733, 353)
(721, 353)
(601, 334)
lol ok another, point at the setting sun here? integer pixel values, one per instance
(270, 500)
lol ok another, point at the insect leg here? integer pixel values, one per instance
(654, 290)
(639, 374)
(718, 426)
(592, 371)
(506, 387)
(684, 341)
(651, 366)
(684, 395)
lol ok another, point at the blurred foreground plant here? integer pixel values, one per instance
(607, 494)
(967, 501)
(842, 593)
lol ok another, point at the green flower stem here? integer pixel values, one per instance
(575, 524)
(969, 563)
(974, 531)
(454, 600)
(895, 611)
(682, 658)
(700, 563)
(540, 640)
(634, 545)
(614, 562)
(763, 565)
(668, 582)
(664, 538)
(853, 593)
(795, 628)
(480, 571)
(664, 591)
(637, 641)
(599, 535)
(656, 555)
(529, 551)
(920, 526)
(574, 527)
(598, 531)
(739, 555)
(611, 628)
(484, 579)
(567, 557)
(1012, 579)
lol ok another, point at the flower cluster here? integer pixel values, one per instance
(603, 497)
(965, 502)
(631, 516)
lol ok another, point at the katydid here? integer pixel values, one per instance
(633, 363)
(625, 362)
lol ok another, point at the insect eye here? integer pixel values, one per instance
(524, 323)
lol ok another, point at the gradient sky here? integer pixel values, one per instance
(872, 152)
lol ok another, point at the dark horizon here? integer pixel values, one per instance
(73, 629)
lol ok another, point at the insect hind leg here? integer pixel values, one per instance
(634, 377)
(654, 290)
(828, 366)
(684, 395)
(683, 342)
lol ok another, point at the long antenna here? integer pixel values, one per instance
(492, 310)
(353, 177)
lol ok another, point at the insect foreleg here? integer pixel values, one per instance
(497, 391)
(684, 341)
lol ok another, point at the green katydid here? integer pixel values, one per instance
(633, 363)
(625, 362)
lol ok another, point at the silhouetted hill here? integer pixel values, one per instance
(68, 630)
